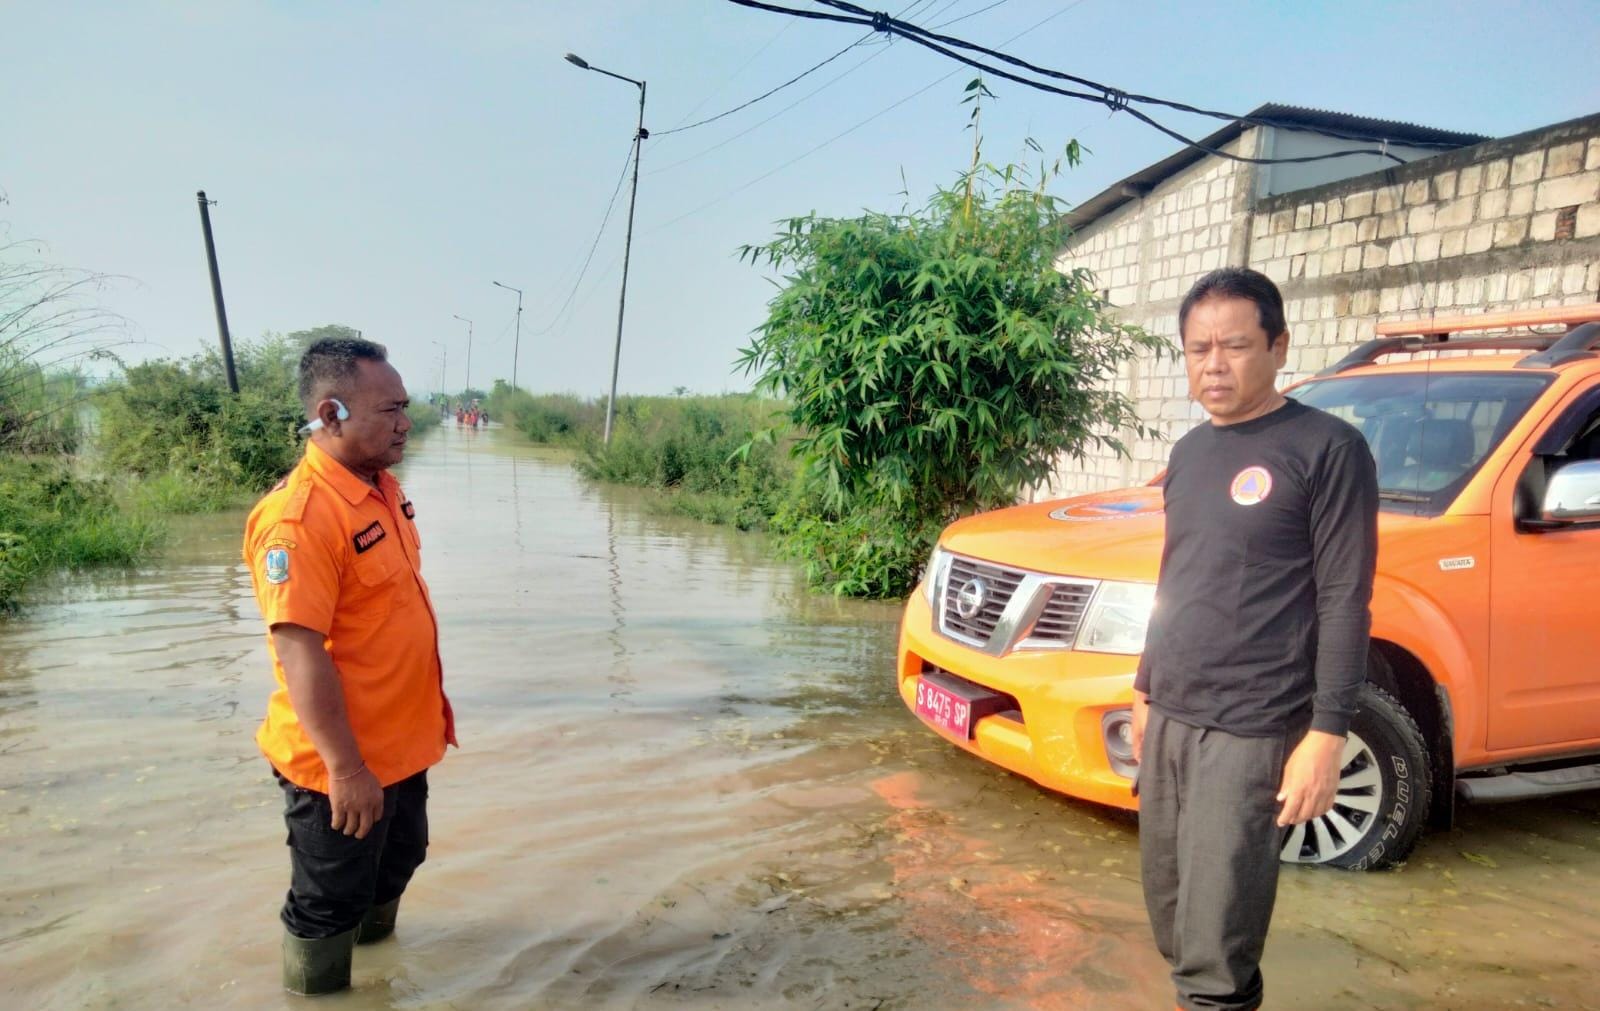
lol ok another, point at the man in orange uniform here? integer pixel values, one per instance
(359, 713)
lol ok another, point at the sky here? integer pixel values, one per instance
(379, 165)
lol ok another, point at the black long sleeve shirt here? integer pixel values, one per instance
(1263, 602)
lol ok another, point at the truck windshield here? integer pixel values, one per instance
(1429, 432)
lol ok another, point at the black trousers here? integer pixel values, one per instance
(1208, 847)
(335, 878)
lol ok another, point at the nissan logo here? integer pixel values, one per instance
(971, 598)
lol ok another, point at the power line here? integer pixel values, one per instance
(1113, 98)
(798, 77)
(767, 94)
(801, 157)
(592, 246)
(760, 123)
(981, 10)
(838, 136)
(734, 76)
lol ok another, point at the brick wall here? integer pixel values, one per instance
(1505, 224)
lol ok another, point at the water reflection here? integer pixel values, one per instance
(621, 671)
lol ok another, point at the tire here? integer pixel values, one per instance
(1385, 785)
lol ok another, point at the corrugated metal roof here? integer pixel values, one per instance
(1286, 117)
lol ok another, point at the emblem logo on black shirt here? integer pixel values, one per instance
(1251, 486)
(369, 537)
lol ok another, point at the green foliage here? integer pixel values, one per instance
(299, 340)
(178, 416)
(552, 418)
(49, 325)
(873, 552)
(51, 518)
(935, 363)
(424, 417)
(701, 450)
(39, 410)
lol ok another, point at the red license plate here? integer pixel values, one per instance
(944, 709)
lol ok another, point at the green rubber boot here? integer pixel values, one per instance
(317, 966)
(378, 923)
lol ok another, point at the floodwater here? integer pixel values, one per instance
(683, 782)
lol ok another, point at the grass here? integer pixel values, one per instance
(52, 518)
(701, 452)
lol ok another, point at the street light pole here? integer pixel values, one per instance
(468, 322)
(627, 248)
(444, 364)
(517, 346)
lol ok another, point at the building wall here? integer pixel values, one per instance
(1287, 178)
(1507, 224)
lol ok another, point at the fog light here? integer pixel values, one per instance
(1117, 729)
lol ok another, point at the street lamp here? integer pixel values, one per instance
(622, 299)
(444, 364)
(468, 322)
(518, 344)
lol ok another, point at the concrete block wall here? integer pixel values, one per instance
(1506, 224)
(1470, 231)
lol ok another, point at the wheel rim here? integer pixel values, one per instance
(1355, 809)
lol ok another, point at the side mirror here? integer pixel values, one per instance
(1573, 494)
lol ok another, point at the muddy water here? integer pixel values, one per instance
(683, 782)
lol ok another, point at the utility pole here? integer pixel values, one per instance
(622, 300)
(216, 291)
(468, 322)
(517, 345)
(444, 364)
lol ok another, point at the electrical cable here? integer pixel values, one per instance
(734, 76)
(934, 14)
(767, 94)
(838, 136)
(930, 85)
(795, 79)
(592, 246)
(1115, 99)
(981, 10)
(760, 123)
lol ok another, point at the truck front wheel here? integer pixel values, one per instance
(1384, 789)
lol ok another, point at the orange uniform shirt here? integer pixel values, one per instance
(328, 552)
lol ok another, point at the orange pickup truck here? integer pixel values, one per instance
(1484, 673)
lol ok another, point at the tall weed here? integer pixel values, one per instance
(51, 518)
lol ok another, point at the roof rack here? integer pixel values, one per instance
(1437, 333)
(1580, 342)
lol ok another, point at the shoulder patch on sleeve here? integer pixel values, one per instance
(275, 565)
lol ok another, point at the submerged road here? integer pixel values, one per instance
(683, 781)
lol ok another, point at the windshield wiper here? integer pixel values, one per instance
(1392, 495)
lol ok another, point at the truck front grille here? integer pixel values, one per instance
(997, 583)
(1062, 614)
(997, 608)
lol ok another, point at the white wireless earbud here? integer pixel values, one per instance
(342, 413)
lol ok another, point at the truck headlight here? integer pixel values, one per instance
(933, 575)
(1117, 619)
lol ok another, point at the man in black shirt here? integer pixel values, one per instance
(1256, 651)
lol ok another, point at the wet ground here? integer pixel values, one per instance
(684, 782)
